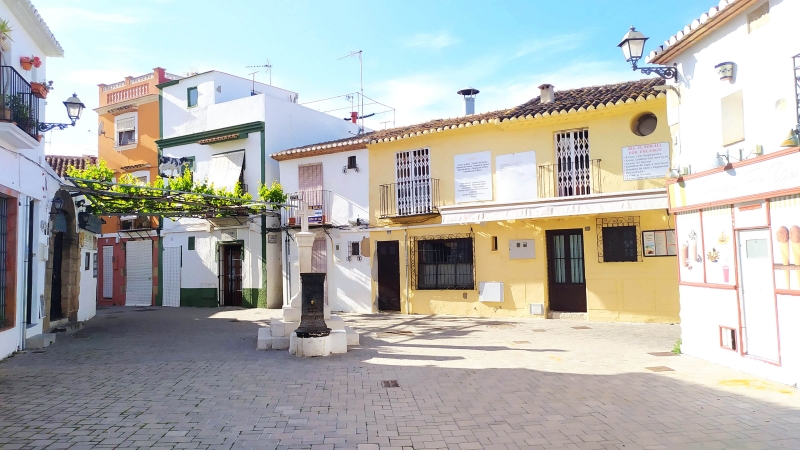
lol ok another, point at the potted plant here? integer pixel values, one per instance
(30, 61)
(5, 35)
(20, 113)
(41, 88)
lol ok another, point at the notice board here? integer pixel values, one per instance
(640, 162)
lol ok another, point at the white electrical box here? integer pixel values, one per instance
(491, 291)
(521, 249)
(536, 309)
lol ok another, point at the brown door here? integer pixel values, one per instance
(231, 275)
(389, 275)
(565, 270)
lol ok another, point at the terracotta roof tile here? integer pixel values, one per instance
(567, 101)
(61, 163)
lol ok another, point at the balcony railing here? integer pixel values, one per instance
(410, 198)
(569, 179)
(128, 94)
(319, 202)
(17, 102)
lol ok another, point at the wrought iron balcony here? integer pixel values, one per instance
(319, 202)
(570, 178)
(17, 102)
(410, 198)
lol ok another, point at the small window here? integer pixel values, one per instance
(125, 130)
(727, 338)
(88, 261)
(191, 96)
(758, 18)
(732, 118)
(645, 124)
(351, 162)
(191, 243)
(354, 250)
(494, 243)
(445, 264)
(619, 244)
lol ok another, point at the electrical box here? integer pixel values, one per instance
(491, 291)
(536, 309)
(521, 249)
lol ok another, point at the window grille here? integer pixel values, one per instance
(443, 262)
(354, 250)
(414, 192)
(618, 239)
(3, 260)
(573, 171)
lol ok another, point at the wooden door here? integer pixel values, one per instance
(566, 279)
(232, 275)
(389, 275)
(55, 281)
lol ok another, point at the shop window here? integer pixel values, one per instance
(445, 264)
(618, 239)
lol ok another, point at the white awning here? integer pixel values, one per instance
(225, 169)
(557, 207)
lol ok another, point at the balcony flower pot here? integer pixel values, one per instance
(5, 43)
(26, 65)
(29, 61)
(39, 90)
(6, 115)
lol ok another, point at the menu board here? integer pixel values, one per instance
(785, 220)
(660, 243)
(640, 162)
(473, 177)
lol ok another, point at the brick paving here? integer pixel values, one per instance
(162, 378)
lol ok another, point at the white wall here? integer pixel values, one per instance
(350, 283)
(350, 190)
(87, 298)
(764, 73)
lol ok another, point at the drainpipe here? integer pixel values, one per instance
(408, 275)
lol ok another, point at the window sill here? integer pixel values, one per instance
(120, 148)
(10, 327)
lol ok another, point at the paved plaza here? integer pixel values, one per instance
(192, 378)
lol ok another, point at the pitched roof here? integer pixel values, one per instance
(61, 163)
(566, 102)
(36, 27)
(708, 21)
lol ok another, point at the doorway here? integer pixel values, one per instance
(757, 290)
(388, 275)
(139, 273)
(231, 256)
(566, 278)
(172, 276)
(56, 311)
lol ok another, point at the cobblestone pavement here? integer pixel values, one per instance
(191, 378)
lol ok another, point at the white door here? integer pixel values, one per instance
(108, 271)
(139, 270)
(172, 276)
(758, 295)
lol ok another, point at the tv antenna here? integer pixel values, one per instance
(361, 69)
(269, 71)
(253, 74)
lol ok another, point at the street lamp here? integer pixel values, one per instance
(74, 109)
(632, 46)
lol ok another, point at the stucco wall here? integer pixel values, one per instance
(764, 73)
(87, 299)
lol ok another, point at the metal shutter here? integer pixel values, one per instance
(108, 271)
(172, 276)
(139, 268)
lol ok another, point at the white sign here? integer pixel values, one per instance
(516, 177)
(640, 162)
(473, 177)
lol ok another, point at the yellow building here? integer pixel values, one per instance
(555, 206)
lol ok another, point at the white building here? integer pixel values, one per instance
(737, 189)
(27, 184)
(226, 126)
(333, 180)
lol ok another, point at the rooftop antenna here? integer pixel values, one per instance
(269, 70)
(253, 74)
(385, 124)
(361, 69)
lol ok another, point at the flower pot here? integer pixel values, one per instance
(5, 44)
(26, 65)
(725, 71)
(39, 90)
(6, 115)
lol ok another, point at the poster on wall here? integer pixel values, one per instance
(659, 243)
(640, 162)
(690, 247)
(718, 243)
(473, 177)
(516, 177)
(785, 220)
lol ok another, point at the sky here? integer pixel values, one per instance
(416, 54)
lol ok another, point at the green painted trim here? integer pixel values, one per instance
(193, 138)
(262, 294)
(232, 151)
(188, 90)
(160, 118)
(240, 136)
(199, 297)
(250, 297)
(167, 84)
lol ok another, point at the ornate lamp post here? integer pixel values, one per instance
(632, 46)
(74, 110)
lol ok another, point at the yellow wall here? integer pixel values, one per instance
(636, 291)
(146, 149)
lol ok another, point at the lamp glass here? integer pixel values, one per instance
(632, 45)
(58, 204)
(74, 107)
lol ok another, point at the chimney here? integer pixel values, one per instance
(547, 95)
(354, 116)
(469, 100)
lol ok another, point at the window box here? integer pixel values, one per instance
(39, 90)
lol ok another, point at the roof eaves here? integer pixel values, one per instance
(30, 19)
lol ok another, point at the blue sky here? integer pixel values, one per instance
(416, 53)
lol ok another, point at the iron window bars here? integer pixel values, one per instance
(618, 238)
(443, 262)
(354, 250)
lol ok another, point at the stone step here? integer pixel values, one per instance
(268, 342)
(282, 328)
(568, 315)
(40, 341)
(352, 336)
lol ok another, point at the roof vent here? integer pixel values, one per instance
(547, 94)
(469, 100)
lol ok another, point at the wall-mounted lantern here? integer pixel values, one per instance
(725, 71)
(632, 46)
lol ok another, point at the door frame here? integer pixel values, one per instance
(550, 268)
(379, 244)
(221, 273)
